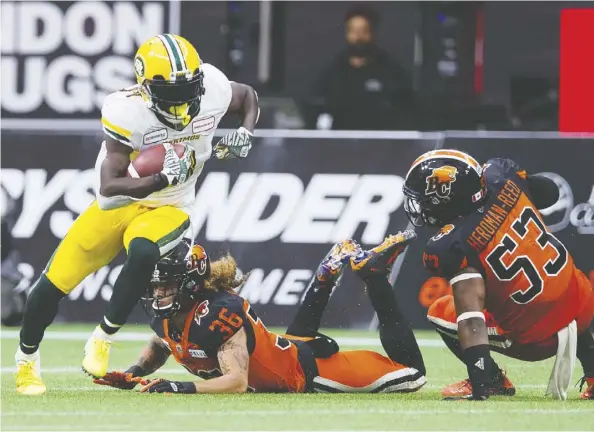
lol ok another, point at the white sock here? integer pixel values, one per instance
(100, 334)
(35, 357)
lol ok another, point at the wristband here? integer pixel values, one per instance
(478, 364)
(136, 371)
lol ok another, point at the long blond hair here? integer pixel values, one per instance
(223, 275)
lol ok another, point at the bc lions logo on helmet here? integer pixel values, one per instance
(440, 181)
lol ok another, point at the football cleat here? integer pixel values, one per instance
(332, 266)
(589, 393)
(96, 359)
(501, 386)
(28, 377)
(379, 260)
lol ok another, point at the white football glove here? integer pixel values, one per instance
(234, 145)
(178, 169)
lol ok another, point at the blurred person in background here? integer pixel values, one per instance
(13, 302)
(363, 88)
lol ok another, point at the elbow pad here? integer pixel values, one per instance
(543, 190)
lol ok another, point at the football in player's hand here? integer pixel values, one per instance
(150, 161)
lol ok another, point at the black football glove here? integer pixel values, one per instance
(164, 386)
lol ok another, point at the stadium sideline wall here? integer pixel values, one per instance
(279, 211)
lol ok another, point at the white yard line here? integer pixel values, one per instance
(309, 412)
(144, 336)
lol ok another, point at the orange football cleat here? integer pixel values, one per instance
(589, 393)
(501, 386)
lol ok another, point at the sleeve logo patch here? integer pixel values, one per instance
(439, 182)
(155, 137)
(201, 311)
(445, 230)
(203, 124)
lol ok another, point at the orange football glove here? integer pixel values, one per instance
(120, 380)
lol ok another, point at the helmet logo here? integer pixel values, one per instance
(156, 275)
(139, 66)
(201, 311)
(440, 181)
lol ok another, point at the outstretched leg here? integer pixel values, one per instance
(92, 242)
(147, 237)
(396, 335)
(328, 274)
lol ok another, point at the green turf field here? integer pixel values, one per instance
(74, 403)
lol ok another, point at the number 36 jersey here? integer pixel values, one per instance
(533, 286)
(274, 364)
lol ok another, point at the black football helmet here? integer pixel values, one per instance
(441, 186)
(183, 271)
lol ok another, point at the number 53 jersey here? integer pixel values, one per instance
(274, 364)
(533, 287)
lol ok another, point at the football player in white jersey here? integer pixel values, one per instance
(178, 99)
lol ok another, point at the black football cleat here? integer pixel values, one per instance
(379, 260)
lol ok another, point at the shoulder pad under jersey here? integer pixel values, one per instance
(121, 115)
(498, 170)
(217, 96)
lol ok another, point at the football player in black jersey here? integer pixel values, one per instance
(216, 335)
(516, 289)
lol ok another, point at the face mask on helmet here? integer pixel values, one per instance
(175, 103)
(177, 280)
(164, 295)
(422, 212)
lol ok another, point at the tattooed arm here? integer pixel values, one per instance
(152, 357)
(234, 362)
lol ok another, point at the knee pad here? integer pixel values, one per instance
(443, 308)
(144, 252)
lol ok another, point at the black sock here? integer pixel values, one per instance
(454, 346)
(131, 284)
(585, 352)
(396, 334)
(309, 315)
(40, 310)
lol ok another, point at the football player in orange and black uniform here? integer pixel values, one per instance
(515, 286)
(216, 335)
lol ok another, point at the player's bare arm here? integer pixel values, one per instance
(152, 357)
(244, 101)
(469, 297)
(113, 174)
(233, 359)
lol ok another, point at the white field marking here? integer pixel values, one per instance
(181, 371)
(142, 336)
(74, 369)
(259, 413)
